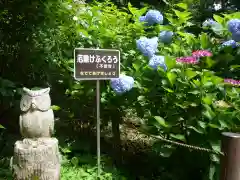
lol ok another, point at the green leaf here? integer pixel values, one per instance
(190, 74)
(214, 126)
(134, 11)
(235, 66)
(207, 84)
(166, 2)
(83, 32)
(136, 66)
(212, 171)
(216, 146)
(196, 130)
(182, 15)
(217, 80)
(223, 123)
(65, 150)
(161, 121)
(168, 89)
(195, 92)
(142, 11)
(182, 5)
(204, 40)
(178, 136)
(214, 157)
(208, 115)
(74, 161)
(209, 62)
(197, 82)
(170, 63)
(2, 127)
(202, 124)
(55, 108)
(171, 77)
(217, 18)
(208, 100)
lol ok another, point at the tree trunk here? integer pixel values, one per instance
(36, 159)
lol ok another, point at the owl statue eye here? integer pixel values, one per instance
(43, 102)
(25, 103)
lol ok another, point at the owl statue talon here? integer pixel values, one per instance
(37, 117)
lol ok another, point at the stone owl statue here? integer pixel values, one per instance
(37, 118)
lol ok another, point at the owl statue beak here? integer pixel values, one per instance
(34, 106)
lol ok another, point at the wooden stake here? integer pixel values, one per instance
(230, 162)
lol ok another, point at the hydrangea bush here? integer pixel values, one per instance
(183, 86)
(189, 97)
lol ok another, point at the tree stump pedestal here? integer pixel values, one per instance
(36, 159)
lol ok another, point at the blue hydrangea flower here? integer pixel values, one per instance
(236, 36)
(209, 23)
(142, 18)
(122, 84)
(152, 17)
(234, 25)
(156, 61)
(148, 46)
(234, 28)
(166, 36)
(231, 43)
(215, 26)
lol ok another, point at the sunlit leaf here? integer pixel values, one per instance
(190, 73)
(218, 18)
(55, 108)
(182, 5)
(204, 40)
(196, 130)
(207, 100)
(182, 14)
(170, 63)
(215, 126)
(2, 127)
(178, 136)
(168, 89)
(161, 121)
(171, 77)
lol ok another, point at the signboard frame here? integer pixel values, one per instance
(96, 50)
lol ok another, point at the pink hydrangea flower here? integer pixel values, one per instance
(187, 60)
(232, 82)
(201, 53)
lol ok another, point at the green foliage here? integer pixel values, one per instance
(86, 173)
(187, 103)
(70, 171)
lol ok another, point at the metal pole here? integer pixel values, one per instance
(230, 162)
(98, 129)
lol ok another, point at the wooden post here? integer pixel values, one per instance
(230, 162)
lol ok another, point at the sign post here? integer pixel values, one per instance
(96, 64)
